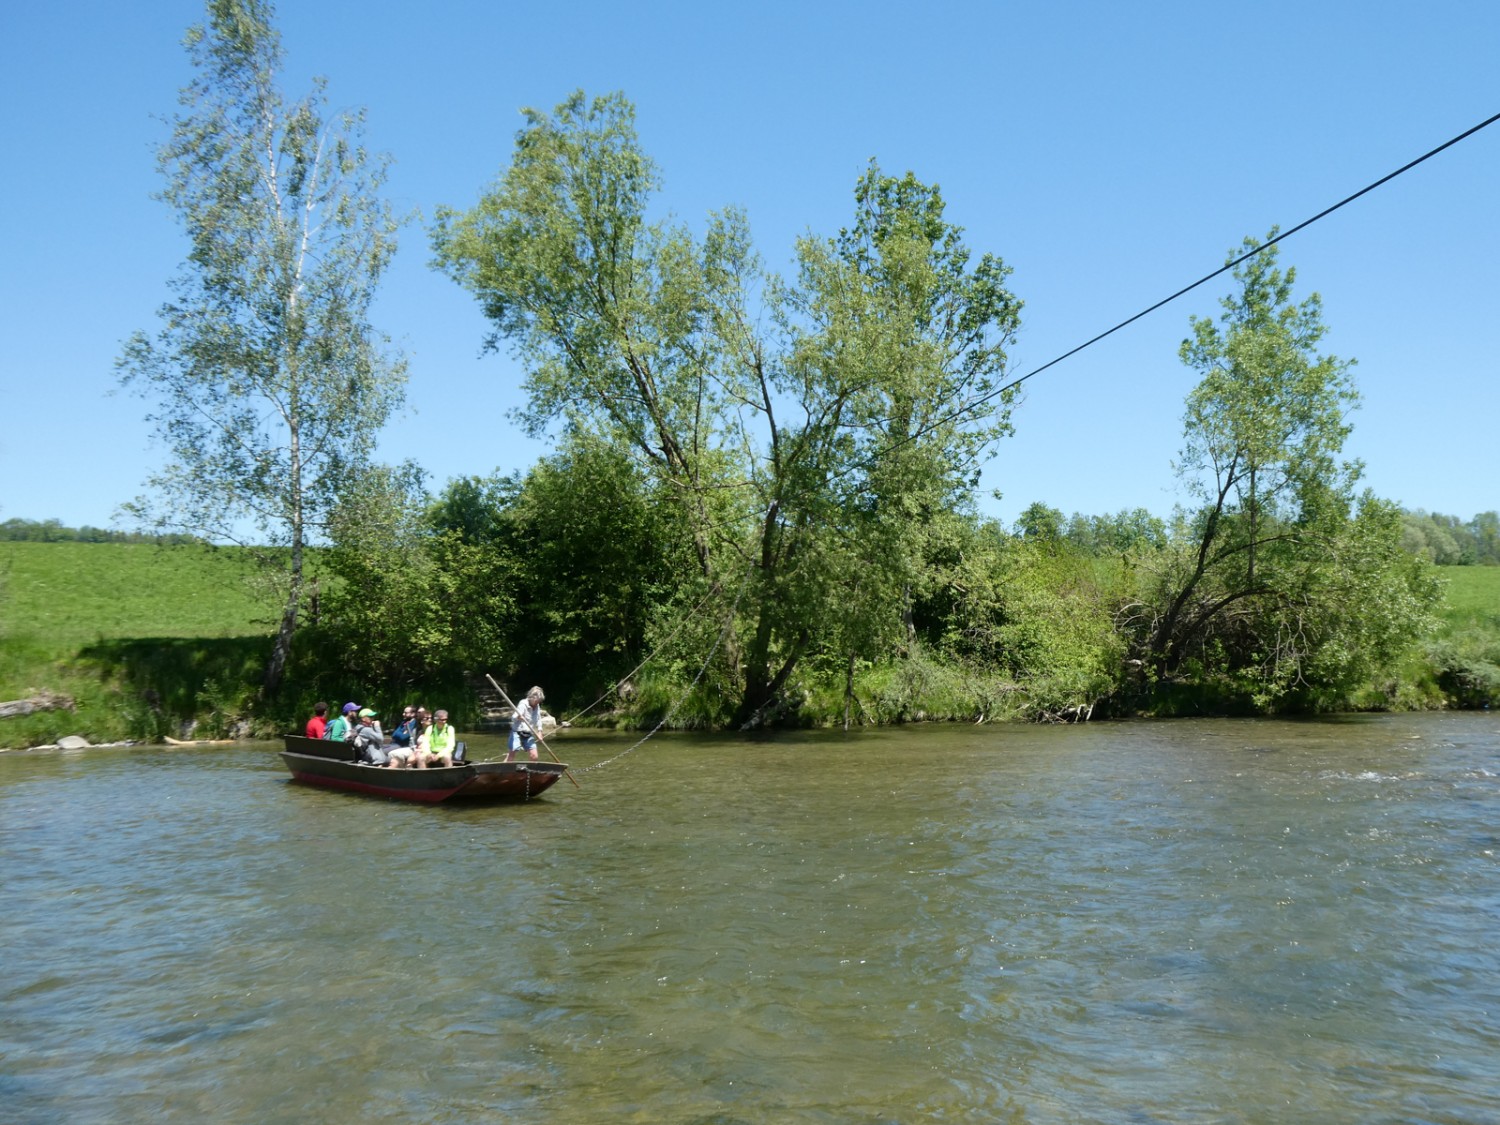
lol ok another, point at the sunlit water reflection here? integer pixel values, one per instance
(1214, 921)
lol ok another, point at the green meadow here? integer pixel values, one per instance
(154, 642)
(1463, 655)
(1472, 596)
(72, 594)
(142, 638)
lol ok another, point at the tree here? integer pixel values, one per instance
(594, 555)
(1026, 614)
(1041, 523)
(269, 380)
(1257, 584)
(804, 447)
(393, 611)
(1431, 537)
(1485, 528)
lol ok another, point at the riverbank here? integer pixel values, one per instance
(149, 644)
(78, 742)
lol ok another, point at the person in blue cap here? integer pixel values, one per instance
(341, 729)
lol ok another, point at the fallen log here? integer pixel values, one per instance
(45, 701)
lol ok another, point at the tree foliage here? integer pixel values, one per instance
(596, 557)
(805, 429)
(1027, 612)
(1278, 581)
(396, 611)
(1451, 541)
(1117, 534)
(269, 380)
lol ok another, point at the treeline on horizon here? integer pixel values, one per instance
(1450, 541)
(1441, 539)
(54, 531)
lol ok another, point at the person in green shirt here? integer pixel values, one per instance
(341, 729)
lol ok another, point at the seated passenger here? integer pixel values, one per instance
(442, 740)
(341, 729)
(369, 739)
(402, 757)
(319, 722)
(407, 730)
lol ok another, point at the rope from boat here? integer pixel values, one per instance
(702, 671)
(672, 636)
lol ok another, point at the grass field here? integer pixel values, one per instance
(1463, 655)
(1472, 594)
(141, 637)
(69, 594)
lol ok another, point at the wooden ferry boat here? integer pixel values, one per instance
(332, 765)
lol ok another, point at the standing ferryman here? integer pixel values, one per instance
(526, 724)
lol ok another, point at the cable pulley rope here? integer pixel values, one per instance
(1014, 383)
(672, 714)
(712, 590)
(969, 407)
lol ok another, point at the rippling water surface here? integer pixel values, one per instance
(1214, 921)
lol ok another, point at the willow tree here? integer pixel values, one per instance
(883, 398)
(269, 380)
(1281, 578)
(806, 427)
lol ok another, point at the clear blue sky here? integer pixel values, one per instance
(1110, 153)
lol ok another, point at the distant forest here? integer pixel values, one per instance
(1448, 541)
(1443, 540)
(52, 531)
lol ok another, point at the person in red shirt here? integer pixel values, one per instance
(319, 722)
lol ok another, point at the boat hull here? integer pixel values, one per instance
(330, 765)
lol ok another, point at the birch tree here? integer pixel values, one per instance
(267, 378)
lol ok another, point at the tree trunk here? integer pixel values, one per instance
(281, 653)
(761, 687)
(848, 691)
(276, 669)
(45, 701)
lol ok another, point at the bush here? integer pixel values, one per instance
(1468, 669)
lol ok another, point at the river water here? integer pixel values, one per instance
(1216, 921)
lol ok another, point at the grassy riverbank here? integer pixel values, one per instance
(140, 637)
(1464, 652)
(146, 639)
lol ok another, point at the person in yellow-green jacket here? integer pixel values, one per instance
(436, 748)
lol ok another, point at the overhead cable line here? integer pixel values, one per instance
(1014, 383)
